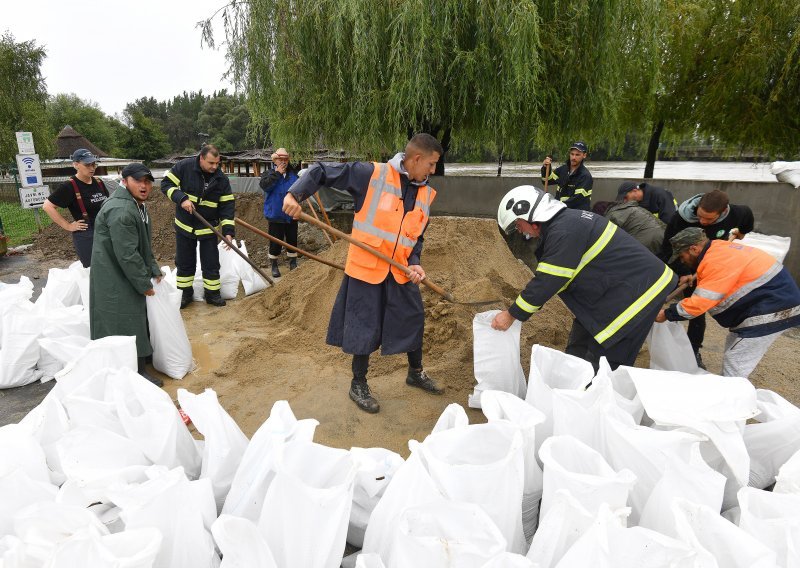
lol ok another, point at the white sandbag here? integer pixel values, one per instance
(256, 469)
(43, 526)
(714, 406)
(252, 282)
(670, 349)
(62, 349)
(228, 275)
(572, 465)
(66, 331)
(20, 351)
(503, 406)
(772, 441)
(88, 452)
(198, 290)
(13, 295)
(182, 510)
(788, 478)
(47, 422)
(135, 548)
(114, 351)
(172, 353)
(307, 506)
(82, 278)
(150, 419)
(61, 288)
(704, 529)
(375, 469)
(463, 462)
(454, 416)
(579, 413)
(18, 491)
(776, 246)
(566, 520)
(551, 369)
(225, 443)
(625, 395)
(446, 534)
(20, 450)
(368, 561)
(496, 358)
(241, 543)
(509, 560)
(774, 520)
(608, 544)
(647, 452)
(787, 172)
(88, 405)
(692, 479)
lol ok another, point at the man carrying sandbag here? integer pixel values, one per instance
(612, 284)
(743, 288)
(378, 305)
(123, 265)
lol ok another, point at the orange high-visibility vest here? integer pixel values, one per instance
(382, 224)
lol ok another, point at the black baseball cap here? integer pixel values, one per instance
(83, 156)
(137, 171)
(625, 187)
(580, 146)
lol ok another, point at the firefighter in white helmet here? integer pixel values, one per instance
(612, 284)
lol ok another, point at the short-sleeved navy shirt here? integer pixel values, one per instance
(93, 198)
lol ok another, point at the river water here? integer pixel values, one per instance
(717, 171)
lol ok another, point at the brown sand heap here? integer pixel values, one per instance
(466, 256)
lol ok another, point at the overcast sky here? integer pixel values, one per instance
(115, 51)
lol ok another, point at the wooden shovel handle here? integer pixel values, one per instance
(309, 219)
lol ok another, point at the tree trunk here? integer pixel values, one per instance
(445, 141)
(652, 149)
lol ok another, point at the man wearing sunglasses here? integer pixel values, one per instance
(83, 194)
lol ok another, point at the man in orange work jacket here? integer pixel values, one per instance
(379, 305)
(743, 288)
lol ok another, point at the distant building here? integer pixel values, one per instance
(68, 140)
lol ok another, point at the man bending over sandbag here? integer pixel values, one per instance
(612, 284)
(743, 288)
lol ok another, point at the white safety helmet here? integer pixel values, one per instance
(528, 203)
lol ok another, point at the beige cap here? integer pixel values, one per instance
(280, 153)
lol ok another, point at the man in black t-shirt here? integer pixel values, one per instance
(83, 195)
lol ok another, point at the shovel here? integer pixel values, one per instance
(441, 291)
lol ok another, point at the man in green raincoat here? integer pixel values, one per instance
(123, 264)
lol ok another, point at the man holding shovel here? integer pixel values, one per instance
(379, 305)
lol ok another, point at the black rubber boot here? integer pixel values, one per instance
(359, 393)
(141, 370)
(292, 263)
(214, 298)
(420, 379)
(699, 359)
(275, 272)
(187, 298)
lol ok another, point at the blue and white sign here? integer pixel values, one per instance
(30, 171)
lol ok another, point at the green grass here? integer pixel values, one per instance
(19, 224)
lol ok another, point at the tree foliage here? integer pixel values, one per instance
(144, 139)
(85, 117)
(23, 95)
(506, 74)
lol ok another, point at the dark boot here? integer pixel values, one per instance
(187, 298)
(292, 263)
(275, 272)
(420, 379)
(214, 298)
(359, 393)
(141, 370)
(699, 360)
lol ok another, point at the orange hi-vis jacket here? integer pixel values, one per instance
(383, 224)
(744, 289)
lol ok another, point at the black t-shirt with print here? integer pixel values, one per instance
(93, 198)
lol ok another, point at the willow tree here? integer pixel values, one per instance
(364, 74)
(730, 70)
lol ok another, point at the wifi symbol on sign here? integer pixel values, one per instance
(28, 162)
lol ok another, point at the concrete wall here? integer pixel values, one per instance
(776, 206)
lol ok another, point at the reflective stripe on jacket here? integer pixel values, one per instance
(607, 279)
(573, 189)
(214, 202)
(382, 224)
(744, 289)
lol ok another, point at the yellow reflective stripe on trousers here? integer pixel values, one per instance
(636, 307)
(228, 197)
(593, 251)
(212, 284)
(547, 268)
(525, 306)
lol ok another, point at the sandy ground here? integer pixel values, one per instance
(271, 346)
